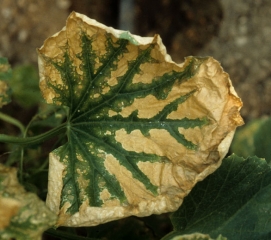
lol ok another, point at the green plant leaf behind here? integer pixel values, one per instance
(254, 139)
(25, 87)
(22, 215)
(5, 76)
(141, 129)
(233, 201)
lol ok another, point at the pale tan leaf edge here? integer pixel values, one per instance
(197, 236)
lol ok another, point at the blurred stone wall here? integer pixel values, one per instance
(243, 46)
(25, 24)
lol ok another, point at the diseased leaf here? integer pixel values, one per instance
(141, 129)
(233, 201)
(254, 139)
(22, 215)
(5, 75)
(194, 236)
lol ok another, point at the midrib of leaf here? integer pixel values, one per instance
(142, 91)
(132, 167)
(89, 71)
(114, 93)
(109, 179)
(125, 122)
(69, 179)
(65, 69)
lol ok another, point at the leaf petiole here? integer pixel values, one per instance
(29, 141)
(13, 121)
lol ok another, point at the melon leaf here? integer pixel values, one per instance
(141, 129)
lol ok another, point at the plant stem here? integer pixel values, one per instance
(28, 141)
(12, 120)
(21, 168)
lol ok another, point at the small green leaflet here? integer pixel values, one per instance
(127, 35)
(141, 129)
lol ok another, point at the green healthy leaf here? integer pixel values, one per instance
(254, 139)
(5, 75)
(22, 215)
(141, 129)
(233, 201)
